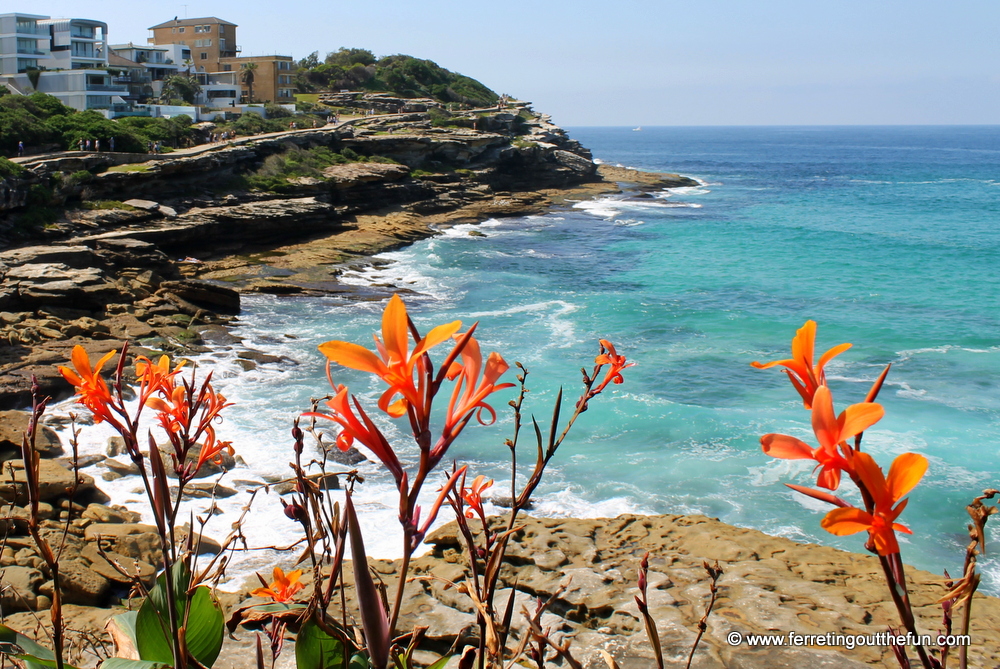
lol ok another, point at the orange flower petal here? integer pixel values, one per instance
(395, 331)
(351, 355)
(436, 336)
(904, 474)
(786, 447)
(846, 521)
(824, 420)
(858, 418)
(831, 354)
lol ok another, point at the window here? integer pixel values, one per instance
(180, 30)
(227, 68)
(204, 56)
(222, 29)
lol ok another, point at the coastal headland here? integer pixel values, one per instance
(110, 272)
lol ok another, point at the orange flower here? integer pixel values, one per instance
(800, 369)
(831, 431)
(154, 377)
(470, 390)
(394, 362)
(283, 588)
(609, 356)
(352, 428)
(904, 474)
(212, 449)
(91, 388)
(474, 495)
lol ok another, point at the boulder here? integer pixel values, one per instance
(54, 481)
(204, 294)
(82, 584)
(104, 565)
(133, 540)
(77, 257)
(57, 284)
(13, 424)
(19, 588)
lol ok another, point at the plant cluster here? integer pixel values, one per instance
(180, 623)
(294, 162)
(839, 455)
(405, 76)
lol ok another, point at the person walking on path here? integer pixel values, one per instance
(20, 149)
(111, 142)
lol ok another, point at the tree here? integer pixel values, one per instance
(179, 87)
(310, 61)
(247, 76)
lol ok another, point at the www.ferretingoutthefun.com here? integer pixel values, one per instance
(849, 641)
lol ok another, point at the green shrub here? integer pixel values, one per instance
(9, 169)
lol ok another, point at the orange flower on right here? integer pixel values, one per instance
(904, 474)
(832, 431)
(805, 376)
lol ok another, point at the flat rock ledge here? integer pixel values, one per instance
(771, 585)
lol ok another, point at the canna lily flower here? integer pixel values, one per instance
(800, 369)
(609, 356)
(363, 430)
(470, 390)
(211, 450)
(833, 456)
(91, 388)
(394, 363)
(155, 377)
(284, 587)
(474, 495)
(904, 474)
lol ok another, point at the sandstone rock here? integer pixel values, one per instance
(77, 257)
(82, 584)
(145, 205)
(19, 587)
(196, 490)
(205, 294)
(13, 424)
(54, 481)
(132, 540)
(103, 565)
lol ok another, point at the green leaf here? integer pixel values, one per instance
(153, 635)
(315, 649)
(126, 623)
(205, 626)
(123, 663)
(359, 661)
(440, 662)
(276, 607)
(32, 654)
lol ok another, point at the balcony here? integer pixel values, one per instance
(30, 29)
(26, 51)
(104, 88)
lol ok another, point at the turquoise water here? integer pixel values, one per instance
(888, 237)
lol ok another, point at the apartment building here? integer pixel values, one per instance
(210, 39)
(24, 45)
(66, 58)
(76, 44)
(272, 78)
(213, 47)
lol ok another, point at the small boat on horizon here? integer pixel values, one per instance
(639, 129)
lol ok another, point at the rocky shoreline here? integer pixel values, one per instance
(98, 276)
(109, 272)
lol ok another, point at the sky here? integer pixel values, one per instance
(647, 62)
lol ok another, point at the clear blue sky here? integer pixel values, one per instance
(647, 62)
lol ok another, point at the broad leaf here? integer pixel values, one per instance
(32, 654)
(124, 663)
(315, 649)
(440, 662)
(205, 626)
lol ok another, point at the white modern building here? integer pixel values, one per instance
(76, 44)
(24, 44)
(66, 58)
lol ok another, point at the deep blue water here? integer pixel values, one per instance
(889, 237)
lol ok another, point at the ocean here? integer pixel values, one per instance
(888, 237)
